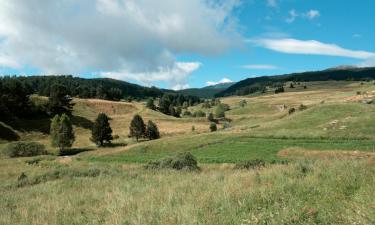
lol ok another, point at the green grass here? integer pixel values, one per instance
(228, 148)
(309, 192)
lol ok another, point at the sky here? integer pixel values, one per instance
(181, 44)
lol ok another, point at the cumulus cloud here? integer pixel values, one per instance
(176, 76)
(259, 67)
(222, 81)
(138, 37)
(310, 47)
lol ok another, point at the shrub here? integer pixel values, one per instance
(220, 111)
(187, 113)
(25, 149)
(302, 107)
(210, 117)
(291, 111)
(182, 161)
(250, 164)
(193, 128)
(226, 125)
(199, 113)
(213, 127)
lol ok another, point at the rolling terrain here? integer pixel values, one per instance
(319, 164)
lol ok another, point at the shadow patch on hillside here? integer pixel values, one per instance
(25, 125)
(80, 121)
(75, 151)
(8, 134)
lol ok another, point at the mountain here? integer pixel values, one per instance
(207, 92)
(256, 84)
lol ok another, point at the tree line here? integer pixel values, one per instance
(172, 104)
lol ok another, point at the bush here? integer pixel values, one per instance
(302, 107)
(250, 164)
(291, 111)
(213, 127)
(182, 161)
(187, 113)
(25, 149)
(199, 113)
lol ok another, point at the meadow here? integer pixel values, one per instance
(320, 164)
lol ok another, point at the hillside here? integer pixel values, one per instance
(103, 88)
(256, 84)
(325, 148)
(208, 91)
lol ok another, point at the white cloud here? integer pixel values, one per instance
(310, 47)
(293, 15)
(356, 36)
(272, 3)
(311, 14)
(176, 76)
(137, 36)
(259, 67)
(222, 81)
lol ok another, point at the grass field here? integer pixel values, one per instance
(320, 164)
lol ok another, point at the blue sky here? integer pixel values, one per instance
(179, 44)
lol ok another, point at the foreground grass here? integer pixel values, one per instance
(304, 192)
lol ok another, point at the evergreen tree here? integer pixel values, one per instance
(220, 111)
(101, 131)
(210, 117)
(152, 131)
(213, 127)
(150, 104)
(59, 101)
(62, 134)
(137, 127)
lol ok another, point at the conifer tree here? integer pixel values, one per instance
(101, 131)
(152, 131)
(62, 134)
(137, 127)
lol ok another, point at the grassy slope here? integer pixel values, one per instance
(309, 192)
(334, 191)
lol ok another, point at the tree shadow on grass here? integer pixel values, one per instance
(80, 121)
(7, 133)
(27, 125)
(75, 151)
(114, 145)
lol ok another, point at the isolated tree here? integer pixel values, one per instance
(172, 111)
(62, 134)
(101, 130)
(150, 104)
(213, 127)
(291, 85)
(137, 127)
(220, 111)
(210, 117)
(152, 131)
(59, 101)
(185, 105)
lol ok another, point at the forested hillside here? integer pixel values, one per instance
(259, 84)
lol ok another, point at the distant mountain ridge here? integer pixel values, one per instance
(208, 91)
(251, 85)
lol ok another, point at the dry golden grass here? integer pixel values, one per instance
(300, 153)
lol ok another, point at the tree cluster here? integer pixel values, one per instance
(138, 129)
(172, 104)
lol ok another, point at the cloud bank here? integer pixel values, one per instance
(310, 47)
(125, 39)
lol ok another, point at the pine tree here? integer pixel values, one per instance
(137, 127)
(152, 131)
(150, 104)
(59, 101)
(210, 117)
(101, 131)
(213, 127)
(62, 134)
(54, 130)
